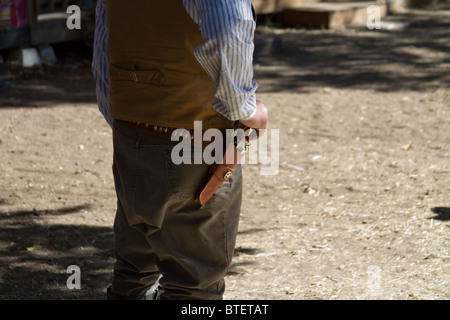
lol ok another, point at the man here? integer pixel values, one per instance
(171, 63)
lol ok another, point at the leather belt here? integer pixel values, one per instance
(168, 132)
(163, 132)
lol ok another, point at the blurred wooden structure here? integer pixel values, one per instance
(34, 22)
(276, 6)
(331, 15)
(319, 14)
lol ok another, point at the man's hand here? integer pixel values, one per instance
(260, 119)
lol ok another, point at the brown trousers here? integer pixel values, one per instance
(160, 228)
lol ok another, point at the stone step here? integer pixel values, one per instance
(330, 15)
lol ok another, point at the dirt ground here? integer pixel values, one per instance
(359, 208)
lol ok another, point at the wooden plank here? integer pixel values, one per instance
(329, 15)
(275, 6)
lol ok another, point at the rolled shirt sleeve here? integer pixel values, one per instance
(227, 27)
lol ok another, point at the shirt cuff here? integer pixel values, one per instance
(250, 108)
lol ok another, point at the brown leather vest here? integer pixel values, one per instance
(154, 76)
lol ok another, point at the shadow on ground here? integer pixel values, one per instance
(413, 55)
(34, 256)
(442, 213)
(69, 80)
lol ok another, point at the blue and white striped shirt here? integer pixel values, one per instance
(100, 60)
(227, 27)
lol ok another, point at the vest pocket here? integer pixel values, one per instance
(154, 77)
